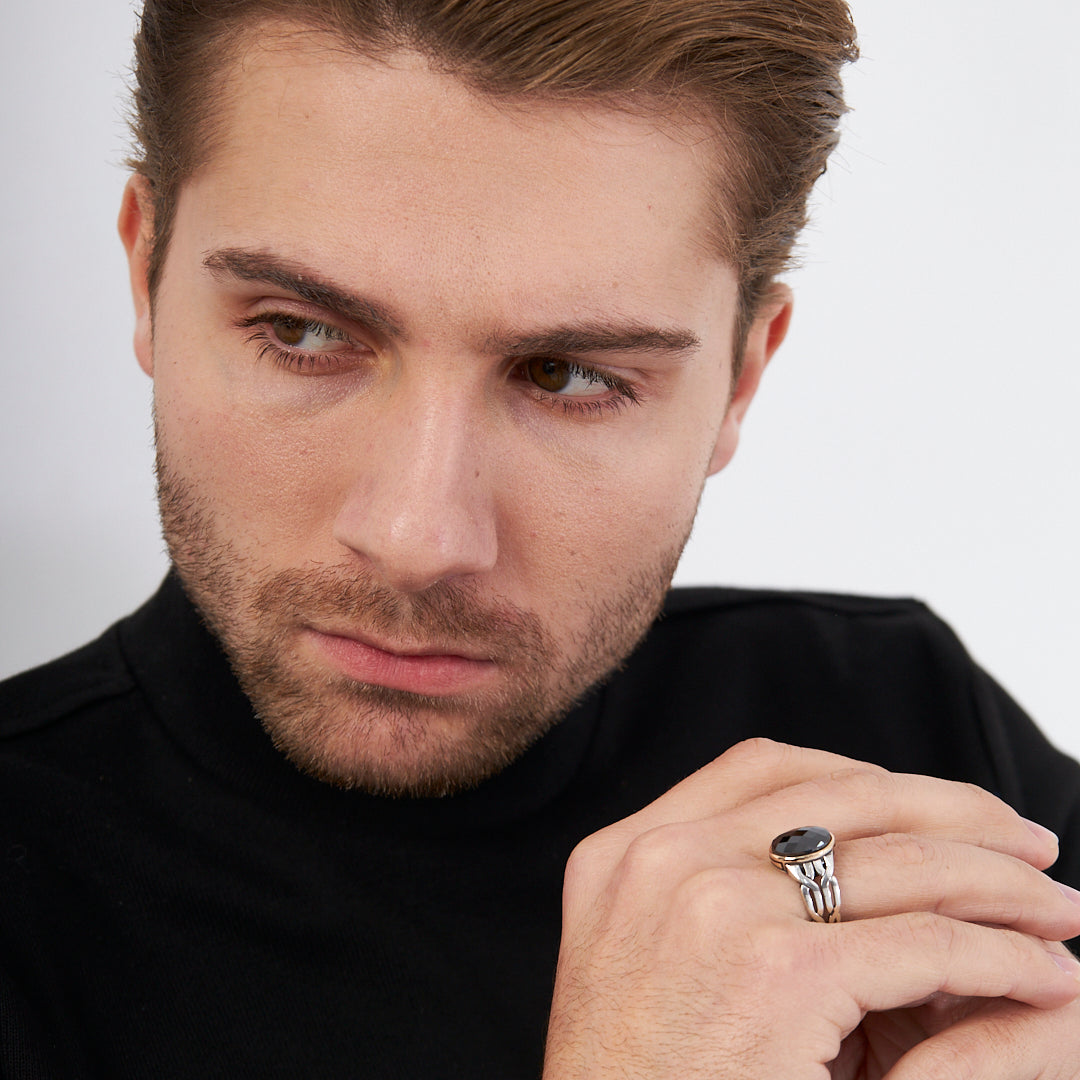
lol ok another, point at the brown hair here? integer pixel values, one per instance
(764, 73)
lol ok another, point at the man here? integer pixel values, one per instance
(450, 311)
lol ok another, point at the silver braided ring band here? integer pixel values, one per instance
(807, 855)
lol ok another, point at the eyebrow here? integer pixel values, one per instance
(262, 267)
(597, 337)
(569, 340)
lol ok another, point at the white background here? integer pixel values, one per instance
(917, 434)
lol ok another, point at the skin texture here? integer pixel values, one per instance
(421, 531)
(686, 954)
(413, 483)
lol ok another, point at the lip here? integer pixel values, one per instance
(419, 669)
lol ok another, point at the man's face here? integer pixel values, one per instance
(437, 384)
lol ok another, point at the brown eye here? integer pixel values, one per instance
(289, 331)
(550, 375)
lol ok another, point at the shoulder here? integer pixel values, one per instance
(725, 602)
(877, 679)
(92, 676)
(65, 735)
(791, 626)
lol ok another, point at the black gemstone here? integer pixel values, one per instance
(801, 842)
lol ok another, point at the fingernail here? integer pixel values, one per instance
(1041, 832)
(1068, 892)
(1069, 964)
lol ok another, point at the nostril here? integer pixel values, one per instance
(413, 543)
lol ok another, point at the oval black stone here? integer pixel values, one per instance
(801, 842)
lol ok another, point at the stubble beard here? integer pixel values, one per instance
(386, 741)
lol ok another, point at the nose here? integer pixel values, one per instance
(421, 508)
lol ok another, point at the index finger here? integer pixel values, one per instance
(747, 771)
(760, 769)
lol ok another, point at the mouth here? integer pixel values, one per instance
(432, 670)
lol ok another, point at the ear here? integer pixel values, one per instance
(136, 226)
(768, 330)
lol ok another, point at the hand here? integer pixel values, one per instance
(991, 1040)
(686, 954)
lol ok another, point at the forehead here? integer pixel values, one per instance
(330, 153)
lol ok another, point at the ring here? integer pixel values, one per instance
(807, 855)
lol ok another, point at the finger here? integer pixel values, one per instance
(888, 963)
(1001, 1041)
(897, 872)
(860, 806)
(857, 803)
(747, 771)
(760, 768)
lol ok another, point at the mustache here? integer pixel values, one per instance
(445, 612)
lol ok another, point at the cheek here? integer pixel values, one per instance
(574, 512)
(587, 522)
(271, 480)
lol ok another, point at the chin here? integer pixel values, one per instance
(388, 743)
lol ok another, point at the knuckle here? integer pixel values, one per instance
(870, 790)
(986, 807)
(655, 854)
(906, 850)
(979, 794)
(927, 928)
(709, 897)
(951, 945)
(577, 874)
(1007, 909)
(992, 811)
(709, 915)
(585, 851)
(1021, 950)
(590, 858)
(755, 752)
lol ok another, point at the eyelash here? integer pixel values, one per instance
(625, 393)
(297, 360)
(288, 358)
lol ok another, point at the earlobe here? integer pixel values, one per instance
(767, 333)
(135, 225)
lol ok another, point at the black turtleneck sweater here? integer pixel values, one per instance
(176, 900)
